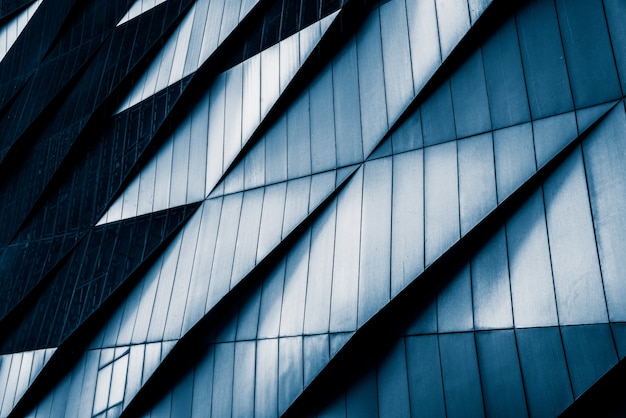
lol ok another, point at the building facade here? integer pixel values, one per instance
(344, 208)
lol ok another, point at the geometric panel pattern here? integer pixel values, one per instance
(312, 207)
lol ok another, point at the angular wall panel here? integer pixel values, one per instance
(311, 208)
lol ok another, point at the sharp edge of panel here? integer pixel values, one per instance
(72, 132)
(209, 317)
(17, 373)
(182, 137)
(176, 50)
(9, 10)
(25, 109)
(26, 228)
(375, 329)
(110, 251)
(12, 29)
(49, 254)
(86, 171)
(232, 179)
(481, 24)
(221, 335)
(72, 342)
(21, 60)
(604, 395)
(139, 7)
(327, 182)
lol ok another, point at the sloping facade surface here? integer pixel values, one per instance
(337, 208)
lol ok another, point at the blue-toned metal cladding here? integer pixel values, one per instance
(338, 208)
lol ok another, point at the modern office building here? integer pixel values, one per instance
(338, 208)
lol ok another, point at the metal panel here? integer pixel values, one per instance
(407, 217)
(548, 389)
(503, 388)
(604, 152)
(477, 180)
(491, 288)
(424, 374)
(393, 387)
(590, 353)
(469, 97)
(577, 279)
(515, 158)
(588, 52)
(532, 289)
(542, 55)
(461, 379)
(372, 82)
(441, 199)
(424, 40)
(374, 280)
(396, 55)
